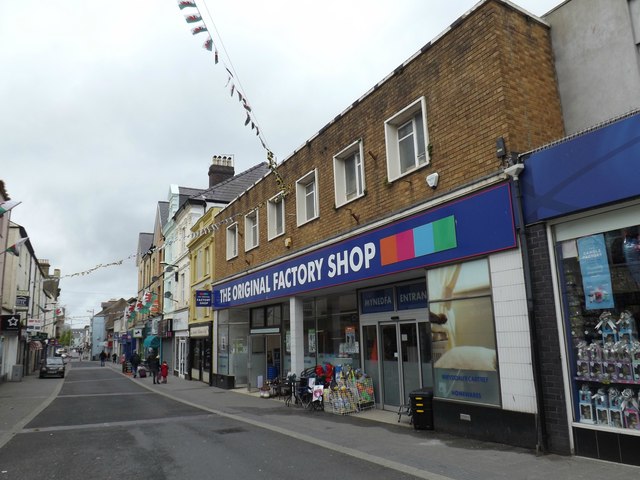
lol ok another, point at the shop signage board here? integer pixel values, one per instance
(10, 323)
(34, 324)
(568, 177)
(22, 302)
(203, 298)
(477, 224)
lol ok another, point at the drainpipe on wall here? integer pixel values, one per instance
(514, 170)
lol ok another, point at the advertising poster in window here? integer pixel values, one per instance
(596, 277)
(465, 363)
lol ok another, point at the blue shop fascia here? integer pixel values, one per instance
(432, 298)
(581, 205)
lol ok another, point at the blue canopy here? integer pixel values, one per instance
(151, 342)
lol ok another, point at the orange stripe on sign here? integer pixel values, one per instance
(388, 250)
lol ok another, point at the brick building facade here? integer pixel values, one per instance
(337, 269)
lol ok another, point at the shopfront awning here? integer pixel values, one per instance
(152, 341)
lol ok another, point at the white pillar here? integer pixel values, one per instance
(297, 335)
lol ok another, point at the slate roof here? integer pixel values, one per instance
(145, 241)
(163, 208)
(230, 189)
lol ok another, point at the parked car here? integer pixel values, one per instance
(52, 367)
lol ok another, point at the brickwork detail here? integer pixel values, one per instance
(490, 76)
(555, 412)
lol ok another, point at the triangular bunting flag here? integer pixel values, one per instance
(246, 122)
(233, 87)
(15, 248)
(8, 205)
(186, 4)
(199, 29)
(216, 57)
(193, 18)
(208, 45)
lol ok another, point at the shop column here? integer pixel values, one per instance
(297, 335)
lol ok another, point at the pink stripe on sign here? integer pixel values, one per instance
(404, 244)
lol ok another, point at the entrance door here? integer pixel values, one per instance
(406, 361)
(265, 359)
(182, 358)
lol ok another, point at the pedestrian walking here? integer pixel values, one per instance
(135, 363)
(164, 371)
(114, 358)
(103, 357)
(154, 365)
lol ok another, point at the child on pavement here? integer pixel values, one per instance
(164, 372)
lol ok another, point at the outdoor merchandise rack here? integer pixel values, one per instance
(352, 392)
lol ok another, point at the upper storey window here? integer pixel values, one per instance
(407, 140)
(348, 174)
(307, 198)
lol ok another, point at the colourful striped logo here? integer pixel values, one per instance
(423, 240)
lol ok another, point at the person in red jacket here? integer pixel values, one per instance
(164, 372)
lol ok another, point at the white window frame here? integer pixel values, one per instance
(391, 127)
(340, 165)
(251, 230)
(232, 241)
(272, 214)
(302, 194)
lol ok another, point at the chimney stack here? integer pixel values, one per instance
(221, 169)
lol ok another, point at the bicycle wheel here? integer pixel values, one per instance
(306, 400)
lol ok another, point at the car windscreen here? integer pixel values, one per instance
(54, 361)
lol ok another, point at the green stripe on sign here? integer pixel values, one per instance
(444, 233)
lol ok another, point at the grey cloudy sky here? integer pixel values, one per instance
(105, 103)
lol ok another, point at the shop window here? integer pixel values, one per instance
(407, 140)
(464, 355)
(266, 317)
(331, 330)
(600, 280)
(348, 174)
(307, 198)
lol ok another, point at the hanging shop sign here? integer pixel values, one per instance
(477, 224)
(34, 325)
(22, 302)
(203, 298)
(10, 323)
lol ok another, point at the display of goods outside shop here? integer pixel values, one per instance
(351, 394)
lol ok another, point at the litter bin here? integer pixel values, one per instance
(422, 408)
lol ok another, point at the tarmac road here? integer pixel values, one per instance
(102, 424)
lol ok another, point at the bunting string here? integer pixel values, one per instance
(233, 83)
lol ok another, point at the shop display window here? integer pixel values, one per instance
(463, 333)
(600, 281)
(331, 328)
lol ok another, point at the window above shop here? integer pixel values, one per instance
(232, 241)
(307, 198)
(348, 174)
(275, 216)
(251, 232)
(407, 140)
